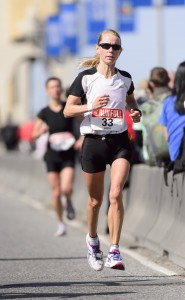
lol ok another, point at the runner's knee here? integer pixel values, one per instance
(56, 192)
(95, 203)
(115, 195)
(67, 191)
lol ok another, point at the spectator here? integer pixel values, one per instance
(155, 148)
(9, 136)
(173, 115)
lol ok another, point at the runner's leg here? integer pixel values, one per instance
(119, 173)
(54, 182)
(95, 187)
(66, 183)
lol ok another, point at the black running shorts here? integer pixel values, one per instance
(62, 159)
(98, 151)
(59, 166)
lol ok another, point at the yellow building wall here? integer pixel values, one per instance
(15, 95)
(21, 10)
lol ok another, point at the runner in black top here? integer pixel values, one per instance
(102, 93)
(60, 154)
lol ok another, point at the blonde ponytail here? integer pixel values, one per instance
(90, 62)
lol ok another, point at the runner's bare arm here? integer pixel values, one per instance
(131, 102)
(78, 143)
(74, 107)
(39, 128)
(132, 106)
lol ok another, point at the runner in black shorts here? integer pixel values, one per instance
(60, 154)
(102, 93)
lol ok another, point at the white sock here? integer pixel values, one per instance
(114, 247)
(93, 241)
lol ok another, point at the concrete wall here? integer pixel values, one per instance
(155, 216)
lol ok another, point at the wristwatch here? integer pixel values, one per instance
(137, 109)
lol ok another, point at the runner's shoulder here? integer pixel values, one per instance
(124, 73)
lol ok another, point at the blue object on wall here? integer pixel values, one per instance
(142, 2)
(52, 37)
(174, 2)
(69, 26)
(96, 19)
(126, 15)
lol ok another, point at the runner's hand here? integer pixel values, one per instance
(135, 115)
(100, 101)
(78, 143)
(43, 129)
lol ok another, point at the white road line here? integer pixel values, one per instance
(142, 259)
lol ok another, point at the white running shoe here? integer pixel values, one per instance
(94, 255)
(114, 260)
(61, 230)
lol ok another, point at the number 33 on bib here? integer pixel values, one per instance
(107, 118)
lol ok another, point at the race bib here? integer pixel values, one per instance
(61, 141)
(107, 119)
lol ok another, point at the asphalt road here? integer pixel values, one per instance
(36, 265)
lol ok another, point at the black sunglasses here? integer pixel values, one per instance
(107, 46)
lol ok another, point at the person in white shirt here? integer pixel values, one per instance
(101, 93)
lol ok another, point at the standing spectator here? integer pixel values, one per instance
(101, 94)
(60, 154)
(173, 114)
(155, 148)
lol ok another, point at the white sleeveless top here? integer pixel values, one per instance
(110, 119)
